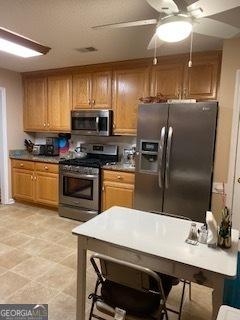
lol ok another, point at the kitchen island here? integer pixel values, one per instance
(156, 242)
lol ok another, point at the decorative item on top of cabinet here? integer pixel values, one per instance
(201, 80)
(117, 189)
(128, 86)
(167, 79)
(92, 90)
(35, 104)
(59, 103)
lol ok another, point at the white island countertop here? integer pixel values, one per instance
(161, 236)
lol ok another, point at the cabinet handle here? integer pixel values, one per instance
(114, 126)
(184, 93)
(21, 165)
(48, 124)
(179, 94)
(93, 101)
(44, 124)
(89, 101)
(35, 178)
(46, 168)
(103, 189)
(31, 177)
(119, 177)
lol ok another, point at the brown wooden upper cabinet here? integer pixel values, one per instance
(35, 104)
(175, 80)
(59, 103)
(201, 80)
(167, 79)
(47, 103)
(128, 86)
(92, 90)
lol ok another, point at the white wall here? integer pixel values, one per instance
(12, 82)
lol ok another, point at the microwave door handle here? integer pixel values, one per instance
(97, 124)
(168, 155)
(161, 154)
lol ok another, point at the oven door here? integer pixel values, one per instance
(91, 122)
(79, 190)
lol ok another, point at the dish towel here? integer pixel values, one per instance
(231, 296)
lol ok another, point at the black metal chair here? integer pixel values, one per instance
(127, 291)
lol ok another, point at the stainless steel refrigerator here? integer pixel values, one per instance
(174, 158)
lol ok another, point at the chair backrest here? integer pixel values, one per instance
(127, 274)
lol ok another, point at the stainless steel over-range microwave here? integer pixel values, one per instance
(92, 122)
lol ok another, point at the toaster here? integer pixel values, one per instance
(39, 149)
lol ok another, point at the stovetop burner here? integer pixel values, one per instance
(86, 162)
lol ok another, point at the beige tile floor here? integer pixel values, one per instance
(38, 265)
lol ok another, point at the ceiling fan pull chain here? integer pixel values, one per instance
(191, 47)
(155, 61)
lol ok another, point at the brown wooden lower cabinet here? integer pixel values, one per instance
(37, 182)
(117, 189)
(23, 184)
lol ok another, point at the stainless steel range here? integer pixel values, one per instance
(80, 181)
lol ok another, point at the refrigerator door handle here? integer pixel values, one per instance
(161, 154)
(168, 155)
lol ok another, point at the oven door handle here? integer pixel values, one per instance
(97, 124)
(87, 176)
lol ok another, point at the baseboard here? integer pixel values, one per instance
(11, 201)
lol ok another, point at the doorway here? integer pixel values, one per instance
(4, 170)
(233, 199)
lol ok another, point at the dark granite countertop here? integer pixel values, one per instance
(24, 155)
(119, 167)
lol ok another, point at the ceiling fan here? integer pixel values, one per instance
(178, 20)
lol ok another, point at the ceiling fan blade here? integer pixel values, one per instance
(151, 44)
(215, 28)
(211, 7)
(166, 6)
(126, 24)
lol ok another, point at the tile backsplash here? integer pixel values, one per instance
(76, 140)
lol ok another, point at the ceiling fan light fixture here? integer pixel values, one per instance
(174, 29)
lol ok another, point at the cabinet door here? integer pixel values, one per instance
(117, 194)
(201, 80)
(167, 79)
(47, 188)
(129, 86)
(23, 184)
(35, 104)
(102, 90)
(59, 103)
(82, 91)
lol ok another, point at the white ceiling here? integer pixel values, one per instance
(65, 25)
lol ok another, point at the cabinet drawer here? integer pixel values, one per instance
(119, 176)
(46, 167)
(22, 164)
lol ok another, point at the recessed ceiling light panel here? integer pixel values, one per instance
(20, 46)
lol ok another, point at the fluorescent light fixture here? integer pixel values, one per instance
(18, 50)
(20, 46)
(174, 29)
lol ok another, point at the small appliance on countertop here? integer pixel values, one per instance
(39, 149)
(80, 181)
(52, 146)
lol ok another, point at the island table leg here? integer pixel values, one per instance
(217, 297)
(81, 280)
